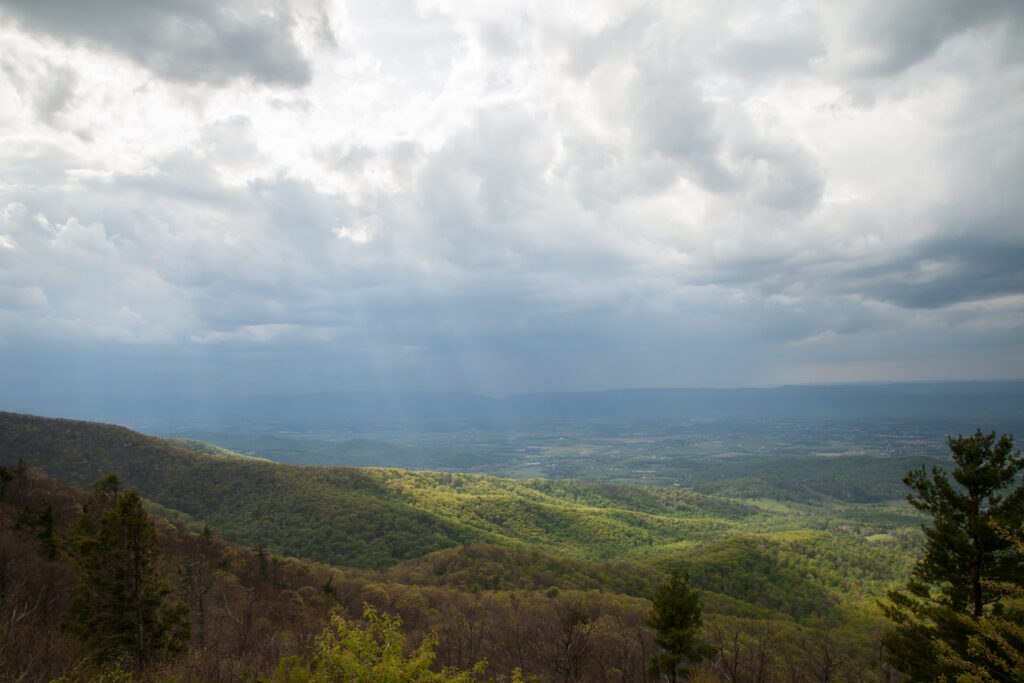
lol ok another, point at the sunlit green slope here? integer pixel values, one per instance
(209, 449)
(376, 518)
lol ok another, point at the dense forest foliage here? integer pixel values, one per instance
(252, 613)
(375, 518)
(550, 578)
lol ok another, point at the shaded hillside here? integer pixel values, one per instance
(342, 516)
(377, 518)
(850, 478)
(800, 574)
(370, 517)
(246, 609)
(487, 567)
(251, 611)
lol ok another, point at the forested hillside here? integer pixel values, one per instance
(470, 556)
(252, 613)
(377, 517)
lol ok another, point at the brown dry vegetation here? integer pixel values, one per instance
(249, 610)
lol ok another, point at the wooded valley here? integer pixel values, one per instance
(541, 579)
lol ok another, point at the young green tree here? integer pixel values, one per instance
(952, 585)
(676, 619)
(374, 653)
(118, 608)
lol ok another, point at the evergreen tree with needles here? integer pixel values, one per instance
(676, 619)
(119, 608)
(952, 586)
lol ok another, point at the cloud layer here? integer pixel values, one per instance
(507, 197)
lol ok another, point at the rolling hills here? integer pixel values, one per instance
(473, 554)
(375, 518)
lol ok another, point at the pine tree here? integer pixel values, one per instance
(995, 642)
(676, 619)
(118, 608)
(951, 586)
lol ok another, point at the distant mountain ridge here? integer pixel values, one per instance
(992, 402)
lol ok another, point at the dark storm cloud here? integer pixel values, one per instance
(507, 199)
(948, 270)
(187, 40)
(880, 38)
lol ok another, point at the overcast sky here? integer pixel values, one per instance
(502, 197)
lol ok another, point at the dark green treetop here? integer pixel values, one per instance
(118, 608)
(676, 619)
(964, 555)
(995, 642)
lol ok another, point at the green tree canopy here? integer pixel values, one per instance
(118, 607)
(995, 642)
(676, 619)
(374, 653)
(953, 585)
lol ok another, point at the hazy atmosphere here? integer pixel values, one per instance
(277, 197)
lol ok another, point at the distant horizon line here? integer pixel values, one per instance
(468, 392)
